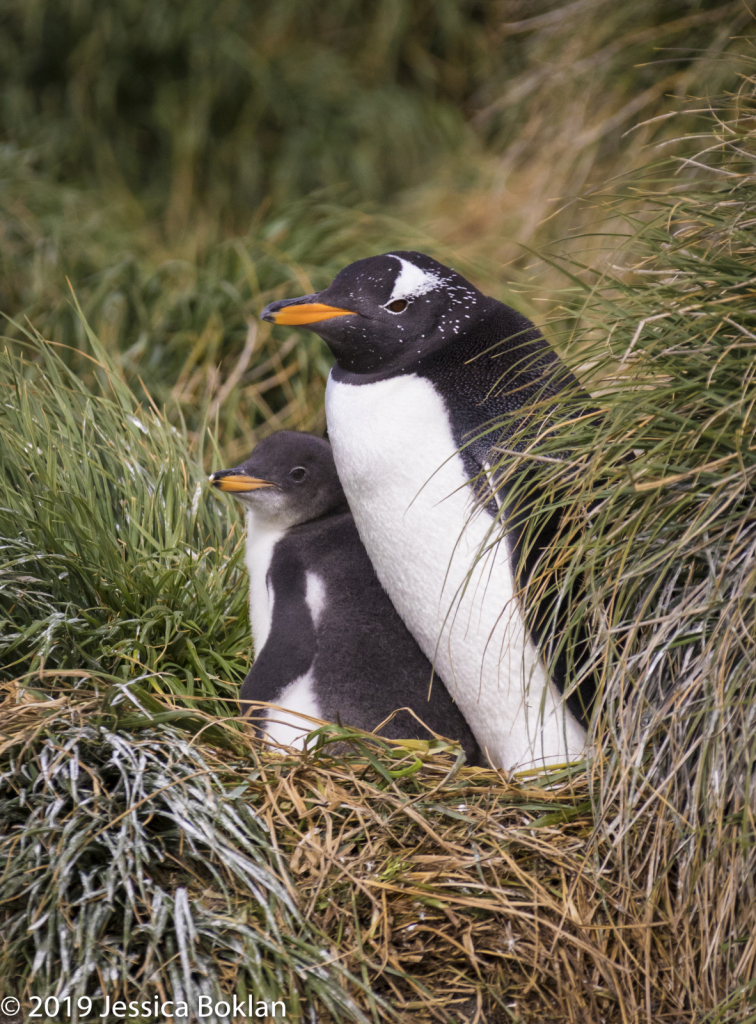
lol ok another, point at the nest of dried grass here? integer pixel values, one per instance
(390, 883)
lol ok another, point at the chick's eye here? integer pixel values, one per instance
(298, 473)
(398, 305)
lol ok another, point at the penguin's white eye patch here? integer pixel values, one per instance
(298, 474)
(397, 306)
(411, 281)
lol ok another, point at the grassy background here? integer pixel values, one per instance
(181, 165)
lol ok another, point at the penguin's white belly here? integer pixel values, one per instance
(408, 491)
(286, 727)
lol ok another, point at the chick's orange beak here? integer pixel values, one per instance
(306, 313)
(237, 482)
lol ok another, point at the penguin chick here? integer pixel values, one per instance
(328, 642)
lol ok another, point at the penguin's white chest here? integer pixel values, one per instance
(408, 491)
(261, 541)
(298, 698)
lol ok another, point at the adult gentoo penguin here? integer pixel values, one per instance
(328, 642)
(424, 362)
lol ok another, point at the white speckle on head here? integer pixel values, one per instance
(315, 595)
(411, 281)
(287, 728)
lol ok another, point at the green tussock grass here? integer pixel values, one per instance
(168, 172)
(218, 108)
(114, 564)
(657, 490)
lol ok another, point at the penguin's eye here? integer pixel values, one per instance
(298, 474)
(398, 305)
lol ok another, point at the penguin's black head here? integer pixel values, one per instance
(288, 479)
(386, 312)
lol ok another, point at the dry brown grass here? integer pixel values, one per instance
(451, 893)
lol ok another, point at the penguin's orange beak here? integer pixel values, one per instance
(302, 313)
(237, 482)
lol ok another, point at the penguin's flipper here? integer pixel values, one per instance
(290, 647)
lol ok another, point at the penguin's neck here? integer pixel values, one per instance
(262, 537)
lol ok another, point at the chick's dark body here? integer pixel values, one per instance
(329, 643)
(364, 662)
